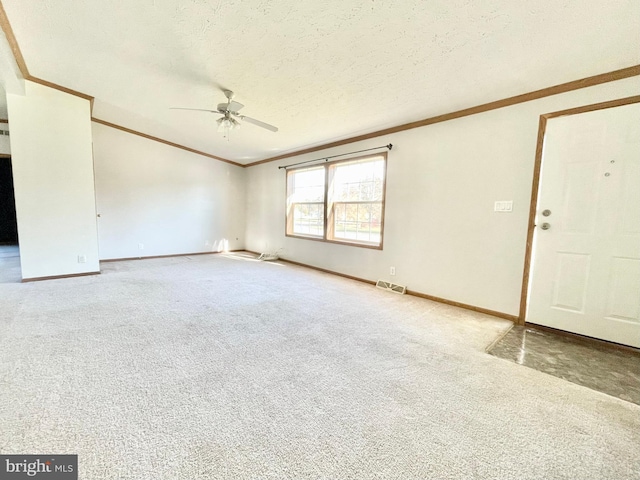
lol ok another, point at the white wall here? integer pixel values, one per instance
(53, 182)
(169, 200)
(441, 232)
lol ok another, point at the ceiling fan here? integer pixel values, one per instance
(229, 112)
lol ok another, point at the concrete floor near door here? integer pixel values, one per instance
(10, 264)
(7, 251)
(603, 368)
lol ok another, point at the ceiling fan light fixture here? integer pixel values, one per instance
(226, 124)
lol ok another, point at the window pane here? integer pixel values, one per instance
(308, 186)
(308, 219)
(358, 221)
(358, 181)
(340, 219)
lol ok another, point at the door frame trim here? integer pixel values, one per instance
(542, 127)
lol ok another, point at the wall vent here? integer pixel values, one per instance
(392, 287)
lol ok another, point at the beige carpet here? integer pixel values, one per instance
(212, 367)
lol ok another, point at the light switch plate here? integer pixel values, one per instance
(503, 206)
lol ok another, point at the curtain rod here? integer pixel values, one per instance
(389, 146)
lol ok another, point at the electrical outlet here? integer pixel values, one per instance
(82, 259)
(392, 270)
(141, 246)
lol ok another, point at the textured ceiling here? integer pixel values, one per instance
(320, 71)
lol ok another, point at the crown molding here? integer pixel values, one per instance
(485, 107)
(166, 142)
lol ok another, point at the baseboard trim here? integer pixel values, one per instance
(486, 311)
(167, 256)
(344, 275)
(494, 313)
(590, 341)
(57, 277)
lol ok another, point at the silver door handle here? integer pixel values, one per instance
(545, 226)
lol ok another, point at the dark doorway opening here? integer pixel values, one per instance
(8, 221)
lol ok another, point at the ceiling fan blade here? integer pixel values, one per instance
(234, 106)
(196, 109)
(258, 123)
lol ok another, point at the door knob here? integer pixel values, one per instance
(546, 226)
(546, 213)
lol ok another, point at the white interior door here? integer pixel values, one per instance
(586, 266)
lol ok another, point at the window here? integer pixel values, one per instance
(307, 201)
(339, 202)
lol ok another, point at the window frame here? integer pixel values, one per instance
(329, 218)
